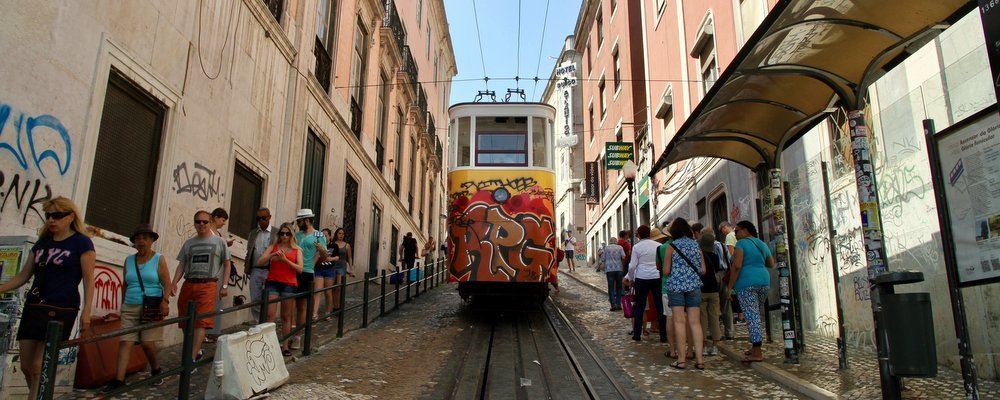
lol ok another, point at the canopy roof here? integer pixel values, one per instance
(807, 57)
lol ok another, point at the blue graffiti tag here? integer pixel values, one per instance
(28, 126)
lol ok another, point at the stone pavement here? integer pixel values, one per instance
(817, 374)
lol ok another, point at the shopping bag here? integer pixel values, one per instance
(627, 301)
(396, 278)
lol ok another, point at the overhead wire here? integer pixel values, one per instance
(541, 45)
(517, 67)
(482, 58)
(225, 43)
(432, 81)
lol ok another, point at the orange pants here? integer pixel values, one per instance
(203, 295)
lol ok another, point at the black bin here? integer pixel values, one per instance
(909, 326)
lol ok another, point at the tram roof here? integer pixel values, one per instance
(807, 57)
(498, 104)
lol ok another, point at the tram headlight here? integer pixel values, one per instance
(501, 195)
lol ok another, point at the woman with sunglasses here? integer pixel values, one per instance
(62, 257)
(748, 275)
(343, 262)
(286, 261)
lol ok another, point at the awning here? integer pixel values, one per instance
(807, 57)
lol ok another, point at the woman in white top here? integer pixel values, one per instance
(643, 274)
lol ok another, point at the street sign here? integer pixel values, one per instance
(617, 153)
(643, 191)
(593, 182)
(566, 75)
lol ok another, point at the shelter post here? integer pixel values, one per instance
(781, 262)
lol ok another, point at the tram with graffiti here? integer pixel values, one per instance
(501, 180)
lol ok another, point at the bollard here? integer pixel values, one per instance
(310, 305)
(364, 309)
(343, 307)
(408, 284)
(416, 284)
(381, 307)
(50, 361)
(184, 386)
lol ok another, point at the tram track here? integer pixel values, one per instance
(537, 355)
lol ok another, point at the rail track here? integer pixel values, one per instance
(534, 355)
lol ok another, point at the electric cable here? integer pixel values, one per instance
(482, 58)
(541, 45)
(225, 43)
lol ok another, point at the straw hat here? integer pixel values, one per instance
(658, 235)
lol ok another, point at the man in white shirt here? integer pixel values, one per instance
(259, 239)
(642, 273)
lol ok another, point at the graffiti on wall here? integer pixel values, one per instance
(26, 195)
(40, 147)
(501, 228)
(107, 291)
(199, 181)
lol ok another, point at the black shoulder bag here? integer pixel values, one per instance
(151, 311)
(688, 260)
(37, 309)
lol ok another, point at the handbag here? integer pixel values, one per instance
(151, 311)
(628, 300)
(688, 260)
(35, 307)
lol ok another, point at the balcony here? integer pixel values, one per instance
(394, 23)
(431, 133)
(356, 118)
(323, 63)
(275, 7)
(397, 179)
(438, 150)
(422, 101)
(409, 67)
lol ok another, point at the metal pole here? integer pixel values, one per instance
(184, 384)
(781, 262)
(406, 279)
(364, 309)
(631, 212)
(871, 225)
(796, 291)
(381, 307)
(832, 234)
(343, 306)
(969, 375)
(262, 317)
(310, 321)
(50, 361)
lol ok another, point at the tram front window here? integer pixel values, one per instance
(538, 142)
(501, 141)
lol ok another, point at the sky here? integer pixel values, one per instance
(498, 30)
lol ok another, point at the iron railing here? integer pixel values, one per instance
(394, 23)
(323, 64)
(399, 284)
(409, 66)
(398, 179)
(438, 150)
(275, 7)
(379, 154)
(356, 118)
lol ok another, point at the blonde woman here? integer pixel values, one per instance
(62, 257)
(285, 259)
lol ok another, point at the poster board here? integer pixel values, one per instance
(969, 163)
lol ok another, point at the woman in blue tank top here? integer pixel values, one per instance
(748, 275)
(150, 269)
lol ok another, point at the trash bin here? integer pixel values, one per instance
(909, 326)
(98, 362)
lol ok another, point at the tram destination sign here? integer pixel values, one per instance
(617, 153)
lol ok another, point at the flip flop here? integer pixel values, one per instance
(671, 355)
(678, 365)
(700, 366)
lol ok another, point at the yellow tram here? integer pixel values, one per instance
(501, 180)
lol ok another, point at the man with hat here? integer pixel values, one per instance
(313, 244)
(201, 262)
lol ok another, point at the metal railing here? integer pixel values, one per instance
(438, 150)
(394, 23)
(409, 66)
(356, 118)
(400, 290)
(323, 64)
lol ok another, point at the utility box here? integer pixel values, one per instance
(909, 326)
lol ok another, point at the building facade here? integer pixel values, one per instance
(146, 111)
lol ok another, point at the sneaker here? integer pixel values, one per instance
(112, 386)
(296, 343)
(155, 372)
(706, 351)
(714, 351)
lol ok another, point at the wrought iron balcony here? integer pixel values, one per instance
(275, 7)
(379, 154)
(410, 68)
(438, 150)
(397, 180)
(422, 100)
(356, 118)
(323, 63)
(431, 133)
(394, 23)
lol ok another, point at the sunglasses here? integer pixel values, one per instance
(284, 233)
(57, 215)
(200, 221)
(260, 218)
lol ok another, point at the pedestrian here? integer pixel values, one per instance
(408, 251)
(730, 238)
(612, 256)
(749, 277)
(145, 276)
(683, 265)
(696, 229)
(642, 273)
(313, 245)
(569, 247)
(260, 238)
(219, 219)
(201, 261)
(284, 260)
(343, 267)
(664, 240)
(59, 261)
(710, 292)
(726, 300)
(623, 241)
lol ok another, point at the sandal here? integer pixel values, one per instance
(699, 366)
(286, 352)
(671, 354)
(678, 365)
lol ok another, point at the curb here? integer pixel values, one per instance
(768, 370)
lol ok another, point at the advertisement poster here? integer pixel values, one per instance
(970, 165)
(10, 262)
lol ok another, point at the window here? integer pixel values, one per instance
(400, 123)
(593, 127)
(125, 163)
(382, 120)
(538, 141)
(618, 69)
(720, 210)
(752, 13)
(420, 195)
(501, 141)
(600, 27)
(248, 188)
(312, 176)
(603, 99)
(604, 174)
(350, 207)
(702, 210)
(590, 63)
(614, 6)
(708, 68)
(325, 23)
(358, 66)
(618, 133)
(413, 171)
(660, 6)
(374, 248)
(394, 245)
(464, 142)
(428, 49)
